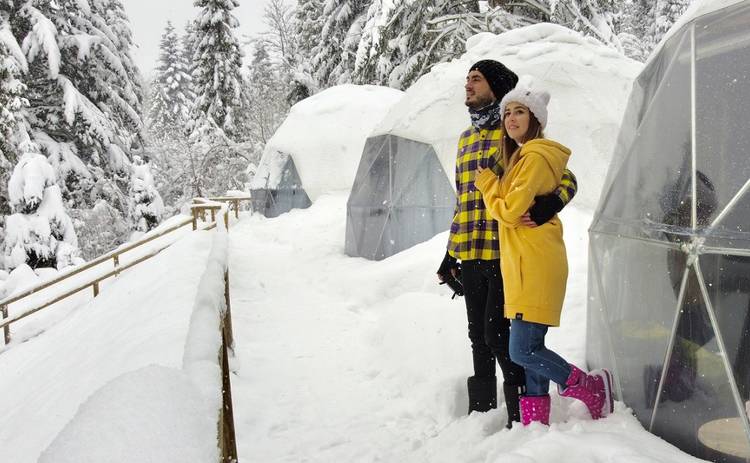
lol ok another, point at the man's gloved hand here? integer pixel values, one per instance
(449, 273)
(448, 268)
(545, 207)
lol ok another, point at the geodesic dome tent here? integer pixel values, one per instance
(415, 144)
(669, 271)
(322, 138)
(405, 198)
(276, 187)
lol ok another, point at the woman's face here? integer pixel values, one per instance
(516, 120)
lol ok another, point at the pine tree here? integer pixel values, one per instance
(334, 56)
(665, 14)
(188, 43)
(39, 233)
(420, 33)
(217, 63)
(590, 17)
(308, 24)
(170, 102)
(85, 97)
(634, 27)
(146, 206)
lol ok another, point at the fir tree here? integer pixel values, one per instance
(334, 56)
(146, 206)
(39, 233)
(85, 97)
(665, 14)
(217, 61)
(170, 101)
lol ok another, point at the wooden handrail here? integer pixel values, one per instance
(92, 283)
(114, 254)
(202, 204)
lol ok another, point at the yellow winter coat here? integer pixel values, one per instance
(533, 260)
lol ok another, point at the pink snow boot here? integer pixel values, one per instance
(535, 408)
(593, 389)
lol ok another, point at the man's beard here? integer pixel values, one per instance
(479, 104)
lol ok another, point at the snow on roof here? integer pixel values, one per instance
(326, 132)
(588, 81)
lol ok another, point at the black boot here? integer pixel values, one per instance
(482, 393)
(513, 395)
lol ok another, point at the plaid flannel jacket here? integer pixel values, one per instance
(474, 233)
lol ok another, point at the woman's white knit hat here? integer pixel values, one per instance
(528, 94)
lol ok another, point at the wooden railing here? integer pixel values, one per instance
(213, 308)
(198, 211)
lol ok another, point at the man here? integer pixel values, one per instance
(475, 239)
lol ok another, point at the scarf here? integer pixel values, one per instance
(487, 117)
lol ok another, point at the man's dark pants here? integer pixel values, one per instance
(489, 330)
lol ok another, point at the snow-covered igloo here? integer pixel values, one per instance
(318, 145)
(669, 247)
(404, 192)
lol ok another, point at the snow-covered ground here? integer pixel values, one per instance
(344, 359)
(337, 359)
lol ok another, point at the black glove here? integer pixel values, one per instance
(446, 276)
(545, 207)
(449, 262)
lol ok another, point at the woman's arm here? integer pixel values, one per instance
(533, 173)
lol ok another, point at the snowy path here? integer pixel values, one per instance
(342, 359)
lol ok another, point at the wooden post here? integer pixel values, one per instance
(213, 215)
(96, 288)
(228, 314)
(6, 328)
(116, 259)
(236, 203)
(227, 439)
(226, 220)
(195, 219)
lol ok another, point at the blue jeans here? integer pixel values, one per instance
(542, 365)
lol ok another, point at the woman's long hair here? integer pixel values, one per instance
(510, 150)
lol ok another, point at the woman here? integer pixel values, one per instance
(533, 260)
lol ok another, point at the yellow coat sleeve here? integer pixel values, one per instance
(528, 179)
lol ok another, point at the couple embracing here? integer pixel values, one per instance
(510, 184)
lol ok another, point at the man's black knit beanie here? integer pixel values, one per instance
(501, 79)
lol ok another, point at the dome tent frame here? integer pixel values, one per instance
(670, 242)
(279, 187)
(401, 196)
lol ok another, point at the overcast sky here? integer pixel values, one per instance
(149, 17)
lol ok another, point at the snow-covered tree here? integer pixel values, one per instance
(416, 34)
(84, 94)
(334, 55)
(217, 61)
(634, 28)
(267, 105)
(665, 14)
(171, 96)
(308, 24)
(146, 206)
(40, 232)
(590, 17)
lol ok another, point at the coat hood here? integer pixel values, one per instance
(554, 153)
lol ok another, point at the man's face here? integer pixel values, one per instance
(478, 91)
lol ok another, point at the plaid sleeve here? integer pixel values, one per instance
(568, 187)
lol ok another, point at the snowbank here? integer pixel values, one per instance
(589, 84)
(151, 414)
(325, 134)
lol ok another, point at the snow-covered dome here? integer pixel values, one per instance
(589, 84)
(325, 134)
